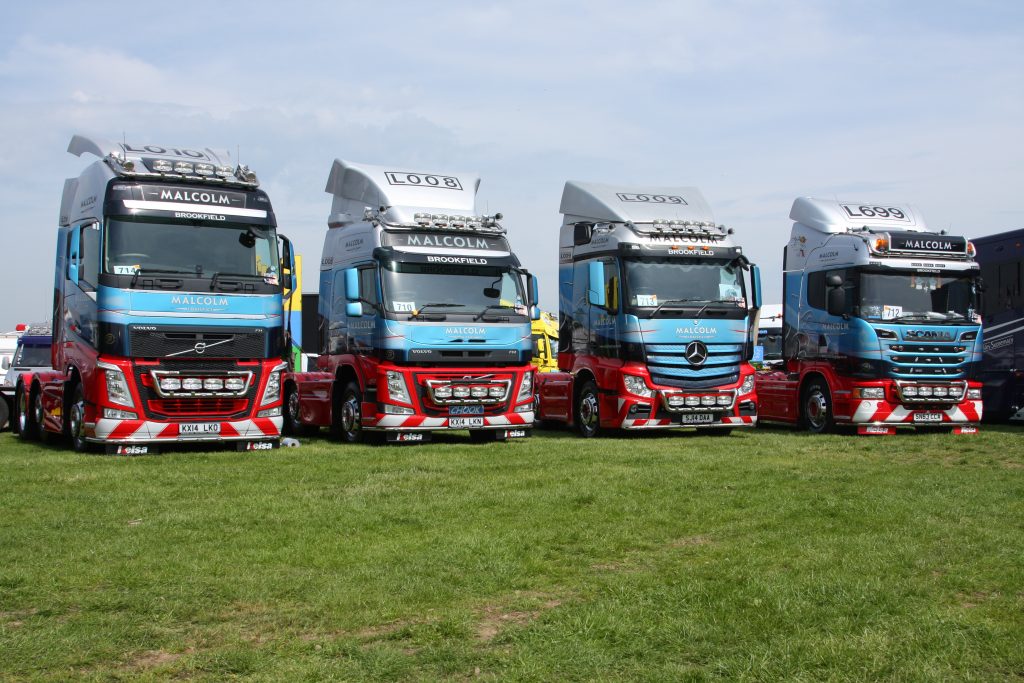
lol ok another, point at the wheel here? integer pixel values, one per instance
(715, 432)
(346, 418)
(588, 415)
(76, 420)
(481, 435)
(816, 408)
(30, 410)
(292, 424)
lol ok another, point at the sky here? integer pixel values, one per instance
(754, 103)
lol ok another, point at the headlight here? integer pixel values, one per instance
(117, 388)
(273, 390)
(748, 384)
(637, 385)
(396, 387)
(974, 394)
(526, 387)
(870, 392)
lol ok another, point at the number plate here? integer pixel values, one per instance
(696, 419)
(927, 417)
(199, 428)
(465, 422)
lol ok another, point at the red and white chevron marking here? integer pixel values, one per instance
(662, 423)
(883, 412)
(143, 431)
(431, 423)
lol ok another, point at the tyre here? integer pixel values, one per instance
(76, 420)
(588, 411)
(292, 424)
(816, 408)
(346, 418)
(30, 410)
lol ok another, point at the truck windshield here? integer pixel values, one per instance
(455, 289)
(32, 356)
(673, 282)
(916, 297)
(195, 248)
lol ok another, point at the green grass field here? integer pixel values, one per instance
(768, 555)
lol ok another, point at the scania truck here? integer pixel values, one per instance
(881, 326)
(167, 305)
(423, 315)
(657, 322)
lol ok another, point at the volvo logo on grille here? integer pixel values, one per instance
(696, 352)
(200, 347)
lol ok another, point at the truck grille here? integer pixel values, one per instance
(211, 342)
(668, 366)
(230, 405)
(924, 361)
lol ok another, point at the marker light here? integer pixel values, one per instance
(910, 392)
(496, 391)
(192, 384)
(478, 392)
(204, 169)
(161, 166)
(971, 251)
(443, 392)
(184, 168)
(213, 384)
(707, 400)
(225, 171)
(724, 399)
(881, 244)
(460, 392)
(693, 401)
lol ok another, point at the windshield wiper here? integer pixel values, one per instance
(492, 307)
(674, 303)
(153, 271)
(218, 274)
(418, 311)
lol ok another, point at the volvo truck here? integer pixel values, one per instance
(167, 305)
(881, 326)
(424, 314)
(657, 321)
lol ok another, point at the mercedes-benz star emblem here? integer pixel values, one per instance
(696, 352)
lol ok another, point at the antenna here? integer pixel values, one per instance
(124, 145)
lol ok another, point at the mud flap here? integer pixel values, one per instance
(132, 449)
(408, 437)
(257, 445)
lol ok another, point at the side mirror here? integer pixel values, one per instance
(581, 233)
(352, 284)
(532, 293)
(755, 286)
(289, 272)
(836, 302)
(595, 287)
(354, 309)
(73, 252)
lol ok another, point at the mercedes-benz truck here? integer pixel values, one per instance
(881, 326)
(656, 316)
(167, 305)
